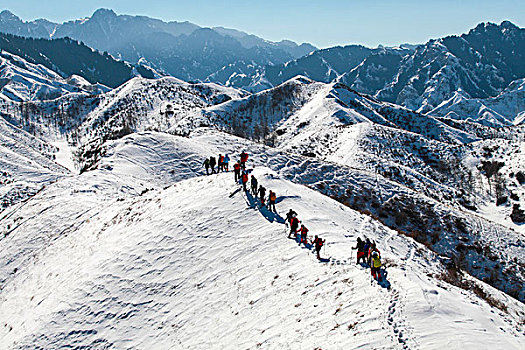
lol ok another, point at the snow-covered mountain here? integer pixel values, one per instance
(145, 251)
(27, 164)
(476, 67)
(431, 160)
(508, 108)
(326, 65)
(481, 63)
(12, 24)
(24, 81)
(68, 57)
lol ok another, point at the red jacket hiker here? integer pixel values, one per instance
(237, 171)
(244, 179)
(318, 242)
(304, 232)
(294, 224)
(244, 159)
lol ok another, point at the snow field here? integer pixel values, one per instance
(188, 267)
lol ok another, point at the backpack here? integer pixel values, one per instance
(273, 197)
(376, 260)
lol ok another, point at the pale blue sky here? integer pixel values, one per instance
(323, 23)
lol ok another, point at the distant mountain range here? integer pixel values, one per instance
(486, 62)
(68, 57)
(181, 49)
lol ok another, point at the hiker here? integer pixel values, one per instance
(220, 166)
(212, 164)
(237, 171)
(294, 224)
(318, 243)
(207, 165)
(254, 185)
(360, 246)
(373, 249)
(366, 249)
(244, 179)
(290, 215)
(262, 193)
(375, 268)
(244, 159)
(271, 201)
(304, 233)
(225, 162)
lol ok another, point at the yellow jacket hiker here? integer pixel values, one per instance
(376, 261)
(376, 266)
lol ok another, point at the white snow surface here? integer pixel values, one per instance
(503, 110)
(24, 81)
(26, 164)
(96, 261)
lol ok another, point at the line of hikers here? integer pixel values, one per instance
(293, 222)
(367, 252)
(222, 164)
(257, 191)
(260, 191)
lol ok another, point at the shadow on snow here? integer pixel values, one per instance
(253, 202)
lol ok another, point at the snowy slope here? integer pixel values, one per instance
(304, 102)
(337, 124)
(24, 81)
(186, 266)
(508, 108)
(144, 104)
(27, 164)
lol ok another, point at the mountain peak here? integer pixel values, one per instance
(508, 25)
(489, 26)
(103, 13)
(6, 14)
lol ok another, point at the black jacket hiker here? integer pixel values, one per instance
(213, 161)
(254, 185)
(318, 243)
(207, 165)
(360, 246)
(290, 215)
(262, 193)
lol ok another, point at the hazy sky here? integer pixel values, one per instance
(323, 23)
